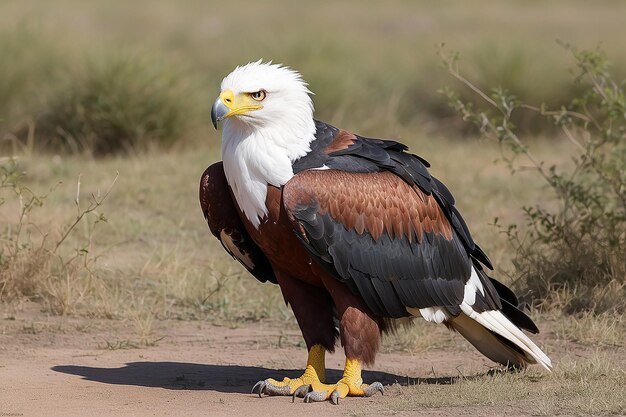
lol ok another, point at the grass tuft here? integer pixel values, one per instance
(601, 330)
(116, 104)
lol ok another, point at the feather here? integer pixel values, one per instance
(496, 322)
(221, 215)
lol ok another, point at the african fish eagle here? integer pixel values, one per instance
(354, 230)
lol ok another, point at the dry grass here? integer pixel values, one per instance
(35, 260)
(155, 242)
(601, 330)
(593, 386)
(154, 257)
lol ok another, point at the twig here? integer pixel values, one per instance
(92, 207)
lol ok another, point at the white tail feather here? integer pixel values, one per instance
(498, 323)
(487, 342)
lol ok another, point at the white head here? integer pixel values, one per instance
(267, 117)
(266, 98)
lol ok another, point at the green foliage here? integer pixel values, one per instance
(116, 104)
(577, 242)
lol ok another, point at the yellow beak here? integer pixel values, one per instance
(228, 104)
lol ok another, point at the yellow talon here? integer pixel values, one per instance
(311, 384)
(351, 384)
(309, 377)
(314, 373)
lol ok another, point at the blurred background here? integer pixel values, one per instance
(108, 74)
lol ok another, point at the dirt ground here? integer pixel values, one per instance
(81, 367)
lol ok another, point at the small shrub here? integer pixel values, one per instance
(116, 104)
(23, 265)
(576, 244)
(29, 61)
(32, 262)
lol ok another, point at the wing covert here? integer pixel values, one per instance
(388, 240)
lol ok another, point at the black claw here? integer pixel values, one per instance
(301, 391)
(314, 396)
(261, 385)
(374, 388)
(334, 397)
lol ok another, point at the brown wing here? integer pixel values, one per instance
(386, 239)
(223, 219)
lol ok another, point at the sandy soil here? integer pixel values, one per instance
(61, 367)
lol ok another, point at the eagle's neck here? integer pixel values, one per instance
(257, 157)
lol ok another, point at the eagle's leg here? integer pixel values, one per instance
(360, 338)
(313, 309)
(315, 372)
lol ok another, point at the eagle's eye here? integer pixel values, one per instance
(259, 95)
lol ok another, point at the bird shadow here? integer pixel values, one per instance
(221, 378)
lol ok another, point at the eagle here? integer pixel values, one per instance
(355, 231)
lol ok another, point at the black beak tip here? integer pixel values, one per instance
(214, 118)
